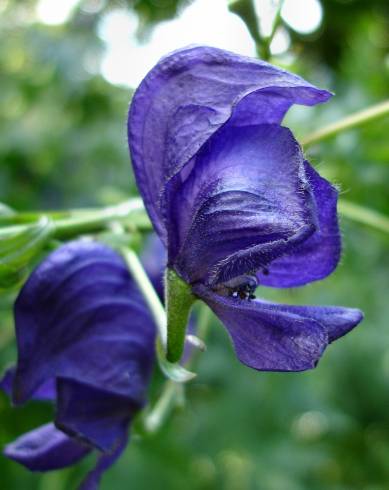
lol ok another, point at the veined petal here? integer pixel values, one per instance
(45, 392)
(96, 416)
(154, 261)
(187, 97)
(319, 255)
(337, 320)
(246, 202)
(81, 317)
(273, 337)
(46, 448)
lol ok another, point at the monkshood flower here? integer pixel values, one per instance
(85, 341)
(235, 203)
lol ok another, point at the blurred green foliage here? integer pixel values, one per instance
(63, 144)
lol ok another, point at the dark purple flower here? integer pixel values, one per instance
(85, 341)
(233, 200)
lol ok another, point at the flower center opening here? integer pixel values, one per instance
(240, 287)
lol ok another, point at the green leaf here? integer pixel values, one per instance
(19, 249)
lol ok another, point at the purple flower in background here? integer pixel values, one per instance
(234, 201)
(85, 341)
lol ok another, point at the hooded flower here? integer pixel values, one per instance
(234, 201)
(85, 341)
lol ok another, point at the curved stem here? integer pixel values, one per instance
(163, 406)
(148, 291)
(364, 215)
(71, 223)
(349, 122)
(172, 370)
(172, 392)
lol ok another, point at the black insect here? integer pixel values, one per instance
(242, 287)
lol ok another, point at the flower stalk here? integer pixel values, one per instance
(349, 122)
(179, 301)
(172, 392)
(364, 215)
(73, 223)
(172, 370)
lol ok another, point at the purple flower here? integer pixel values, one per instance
(85, 341)
(233, 200)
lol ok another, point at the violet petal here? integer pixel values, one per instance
(93, 415)
(46, 448)
(45, 392)
(79, 311)
(274, 337)
(104, 462)
(246, 201)
(319, 255)
(209, 85)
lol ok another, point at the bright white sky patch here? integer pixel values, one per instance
(303, 16)
(126, 61)
(54, 12)
(280, 42)
(266, 11)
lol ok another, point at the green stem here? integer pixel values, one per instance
(172, 370)
(172, 392)
(73, 223)
(349, 122)
(148, 291)
(178, 302)
(163, 406)
(364, 215)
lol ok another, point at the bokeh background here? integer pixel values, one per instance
(67, 71)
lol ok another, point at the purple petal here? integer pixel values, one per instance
(273, 337)
(7, 380)
(45, 448)
(187, 97)
(80, 317)
(319, 255)
(245, 202)
(337, 320)
(95, 416)
(104, 462)
(154, 262)
(45, 392)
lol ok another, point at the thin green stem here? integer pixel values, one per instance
(148, 291)
(349, 122)
(172, 392)
(163, 406)
(172, 370)
(76, 222)
(364, 215)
